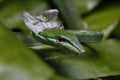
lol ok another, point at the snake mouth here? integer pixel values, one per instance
(78, 48)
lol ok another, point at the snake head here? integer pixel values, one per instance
(60, 39)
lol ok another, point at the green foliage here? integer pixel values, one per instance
(86, 5)
(17, 62)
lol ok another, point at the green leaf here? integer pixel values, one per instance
(10, 14)
(60, 78)
(116, 31)
(85, 6)
(100, 60)
(19, 63)
(103, 18)
(109, 51)
(69, 13)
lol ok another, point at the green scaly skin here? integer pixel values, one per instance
(68, 40)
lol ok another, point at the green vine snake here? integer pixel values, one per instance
(47, 30)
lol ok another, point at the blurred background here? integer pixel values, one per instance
(22, 58)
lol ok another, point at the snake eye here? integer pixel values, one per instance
(60, 40)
